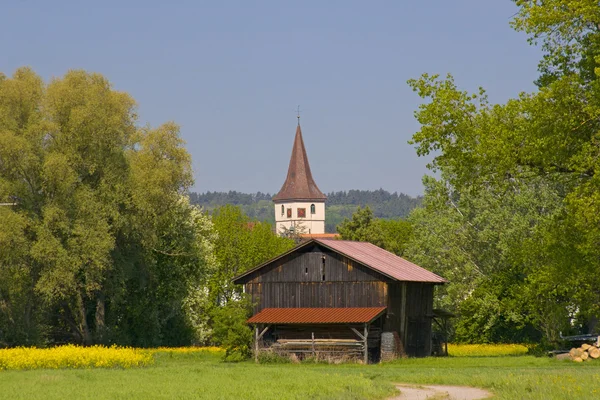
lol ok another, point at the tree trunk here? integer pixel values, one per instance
(592, 324)
(100, 317)
(84, 329)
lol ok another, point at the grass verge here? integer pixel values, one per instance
(202, 375)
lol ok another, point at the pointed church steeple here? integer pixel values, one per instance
(299, 183)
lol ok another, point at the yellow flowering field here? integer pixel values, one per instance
(71, 356)
(208, 349)
(486, 350)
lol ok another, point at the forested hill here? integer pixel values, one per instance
(340, 205)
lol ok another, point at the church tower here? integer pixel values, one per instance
(299, 205)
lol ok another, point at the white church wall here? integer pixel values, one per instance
(312, 223)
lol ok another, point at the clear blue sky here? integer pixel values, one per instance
(231, 73)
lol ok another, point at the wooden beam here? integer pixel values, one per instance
(358, 333)
(403, 317)
(263, 332)
(446, 337)
(256, 343)
(257, 337)
(366, 344)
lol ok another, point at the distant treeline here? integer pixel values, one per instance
(216, 199)
(340, 204)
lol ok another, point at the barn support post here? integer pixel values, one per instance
(313, 344)
(363, 336)
(366, 344)
(257, 337)
(256, 343)
(446, 337)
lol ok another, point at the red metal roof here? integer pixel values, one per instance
(299, 183)
(349, 315)
(382, 260)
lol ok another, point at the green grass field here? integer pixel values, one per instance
(204, 376)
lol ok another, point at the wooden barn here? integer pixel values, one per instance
(341, 297)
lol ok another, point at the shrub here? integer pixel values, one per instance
(270, 357)
(231, 332)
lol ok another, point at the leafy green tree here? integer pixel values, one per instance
(231, 330)
(103, 244)
(569, 32)
(362, 227)
(505, 147)
(534, 162)
(218, 306)
(396, 234)
(241, 244)
(392, 235)
(490, 246)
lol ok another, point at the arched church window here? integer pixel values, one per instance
(313, 209)
(282, 209)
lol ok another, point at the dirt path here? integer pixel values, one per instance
(440, 392)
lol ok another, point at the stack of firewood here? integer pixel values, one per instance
(586, 352)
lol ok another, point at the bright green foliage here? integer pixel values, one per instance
(396, 234)
(392, 235)
(489, 246)
(241, 244)
(515, 221)
(231, 331)
(103, 246)
(542, 143)
(569, 31)
(362, 227)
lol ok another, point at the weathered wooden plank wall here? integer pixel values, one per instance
(419, 309)
(314, 265)
(317, 294)
(317, 278)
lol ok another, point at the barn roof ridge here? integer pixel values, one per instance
(369, 255)
(299, 183)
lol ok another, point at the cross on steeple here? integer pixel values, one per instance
(298, 112)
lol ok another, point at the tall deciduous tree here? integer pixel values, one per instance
(241, 244)
(569, 32)
(544, 142)
(361, 227)
(103, 246)
(491, 247)
(390, 234)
